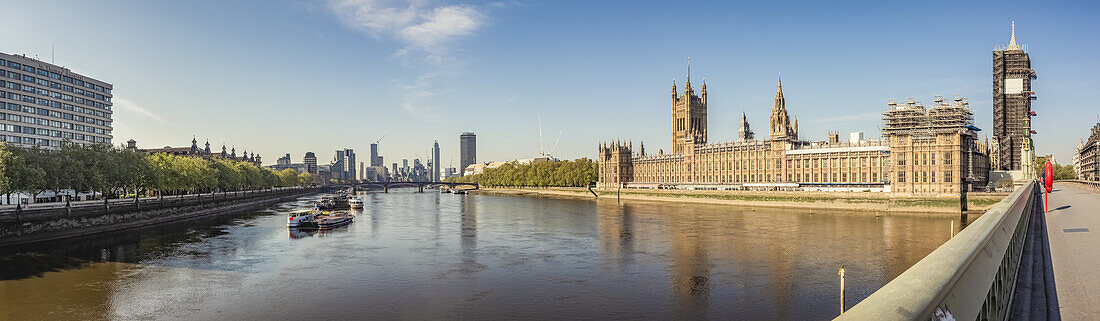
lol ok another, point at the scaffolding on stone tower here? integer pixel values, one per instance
(912, 117)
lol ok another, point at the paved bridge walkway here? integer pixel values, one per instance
(1073, 226)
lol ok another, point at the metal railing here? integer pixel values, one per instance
(970, 277)
(97, 207)
(1089, 183)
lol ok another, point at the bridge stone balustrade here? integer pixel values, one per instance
(970, 277)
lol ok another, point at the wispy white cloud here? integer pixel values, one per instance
(417, 24)
(129, 106)
(426, 32)
(417, 96)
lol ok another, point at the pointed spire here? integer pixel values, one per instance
(689, 70)
(1012, 43)
(687, 83)
(780, 102)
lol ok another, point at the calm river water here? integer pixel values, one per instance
(441, 256)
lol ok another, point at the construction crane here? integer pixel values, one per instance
(542, 150)
(550, 153)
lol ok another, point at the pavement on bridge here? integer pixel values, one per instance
(1073, 226)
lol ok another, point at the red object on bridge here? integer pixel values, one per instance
(1049, 177)
(1048, 182)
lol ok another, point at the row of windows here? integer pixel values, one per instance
(57, 95)
(794, 164)
(55, 76)
(54, 85)
(863, 177)
(52, 142)
(55, 114)
(836, 162)
(54, 123)
(837, 178)
(925, 158)
(49, 103)
(924, 177)
(52, 133)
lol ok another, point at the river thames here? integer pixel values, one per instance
(441, 256)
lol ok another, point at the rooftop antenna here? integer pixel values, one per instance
(53, 55)
(541, 151)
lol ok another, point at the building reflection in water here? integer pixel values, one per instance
(468, 234)
(763, 263)
(615, 226)
(690, 274)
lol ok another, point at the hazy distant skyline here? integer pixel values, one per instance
(277, 77)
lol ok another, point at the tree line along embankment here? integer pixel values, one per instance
(47, 224)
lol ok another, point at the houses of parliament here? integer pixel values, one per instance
(924, 151)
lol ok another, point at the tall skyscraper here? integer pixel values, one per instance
(49, 104)
(343, 165)
(1012, 95)
(311, 162)
(436, 167)
(467, 145)
(375, 160)
(350, 161)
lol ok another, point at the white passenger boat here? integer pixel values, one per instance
(303, 218)
(354, 202)
(334, 219)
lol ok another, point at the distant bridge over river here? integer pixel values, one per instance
(385, 186)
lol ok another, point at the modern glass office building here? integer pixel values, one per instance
(44, 104)
(467, 149)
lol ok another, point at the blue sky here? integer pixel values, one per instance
(280, 77)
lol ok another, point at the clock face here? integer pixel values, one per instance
(1014, 86)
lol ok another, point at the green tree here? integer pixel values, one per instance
(136, 173)
(226, 173)
(22, 173)
(306, 179)
(575, 173)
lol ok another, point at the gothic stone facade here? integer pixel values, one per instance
(779, 162)
(934, 151)
(1086, 158)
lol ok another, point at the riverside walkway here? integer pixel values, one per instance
(1073, 226)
